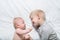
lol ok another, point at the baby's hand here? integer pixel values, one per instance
(27, 37)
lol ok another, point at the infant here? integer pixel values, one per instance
(20, 30)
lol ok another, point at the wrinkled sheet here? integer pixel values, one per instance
(22, 8)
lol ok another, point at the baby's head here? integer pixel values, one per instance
(19, 23)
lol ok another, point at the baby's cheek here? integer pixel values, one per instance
(23, 26)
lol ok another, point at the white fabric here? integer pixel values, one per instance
(21, 8)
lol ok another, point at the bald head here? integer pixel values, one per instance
(19, 23)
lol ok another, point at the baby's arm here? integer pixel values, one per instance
(24, 34)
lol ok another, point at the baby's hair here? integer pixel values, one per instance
(37, 12)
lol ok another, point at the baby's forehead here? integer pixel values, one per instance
(18, 19)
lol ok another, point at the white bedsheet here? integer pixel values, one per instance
(22, 8)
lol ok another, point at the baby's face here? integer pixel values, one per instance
(20, 23)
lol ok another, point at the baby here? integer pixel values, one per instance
(21, 33)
